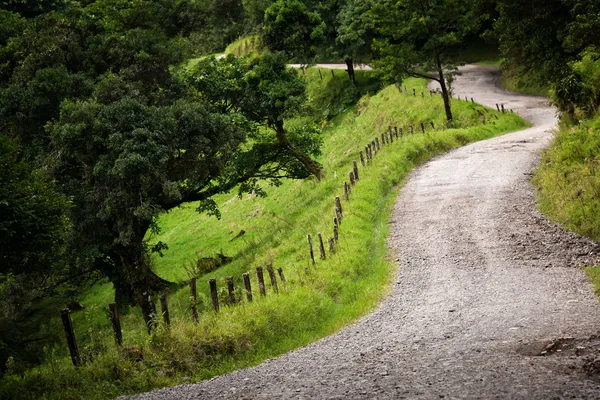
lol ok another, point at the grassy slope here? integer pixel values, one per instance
(568, 182)
(319, 300)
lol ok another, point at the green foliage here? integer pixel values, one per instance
(33, 225)
(245, 46)
(330, 94)
(290, 27)
(355, 30)
(427, 39)
(317, 301)
(568, 179)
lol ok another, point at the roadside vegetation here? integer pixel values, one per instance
(318, 299)
(133, 159)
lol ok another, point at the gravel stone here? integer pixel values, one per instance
(490, 300)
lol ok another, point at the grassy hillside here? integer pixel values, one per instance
(568, 182)
(317, 301)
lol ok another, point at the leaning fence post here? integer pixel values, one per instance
(377, 144)
(273, 278)
(281, 276)
(248, 287)
(261, 281)
(113, 314)
(432, 125)
(310, 248)
(193, 300)
(70, 333)
(212, 282)
(502, 106)
(362, 159)
(352, 180)
(230, 290)
(164, 308)
(355, 169)
(321, 246)
(497, 107)
(338, 204)
(320, 74)
(423, 127)
(331, 248)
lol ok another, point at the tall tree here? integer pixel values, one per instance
(266, 92)
(290, 27)
(355, 33)
(418, 37)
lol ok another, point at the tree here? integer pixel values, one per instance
(34, 224)
(266, 92)
(418, 37)
(531, 33)
(355, 33)
(289, 27)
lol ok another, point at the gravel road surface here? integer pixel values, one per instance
(489, 300)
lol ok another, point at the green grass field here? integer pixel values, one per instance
(317, 301)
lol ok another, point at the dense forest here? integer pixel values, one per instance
(106, 124)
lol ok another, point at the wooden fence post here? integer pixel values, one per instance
(320, 74)
(472, 101)
(273, 278)
(212, 282)
(414, 92)
(70, 333)
(153, 315)
(352, 181)
(261, 281)
(310, 248)
(332, 73)
(193, 300)
(338, 204)
(335, 233)
(164, 308)
(423, 127)
(411, 130)
(432, 125)
(502, 106)
(362, 159)
(355, 164)
(377, 144)
(248, 287)
(383, 139)
(422, 94)
(331, 248)
(396, 132)
(401, 132)
(281, 276)
(338, 216)
(497, 107)
(346, 191)
(113, 314)
(230, 290)
(321, 246)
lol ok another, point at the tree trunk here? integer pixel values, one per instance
(350, 70)
(445, 94)
(311, 166)
(140, 280)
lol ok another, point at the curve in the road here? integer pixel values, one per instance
(488, 301)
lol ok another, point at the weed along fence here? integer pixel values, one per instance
(233, 298)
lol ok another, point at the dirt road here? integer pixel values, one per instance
(488, 301)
